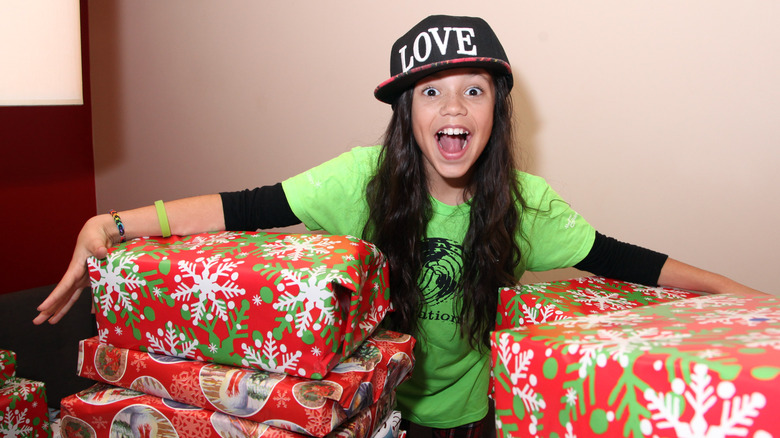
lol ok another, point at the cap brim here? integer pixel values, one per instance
(389, 90)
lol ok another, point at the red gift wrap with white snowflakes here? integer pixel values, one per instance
(314, 406)
(545, 302)
(285, 303)
(105, 411)
(707, 366)
(7, 365)
(23, 409)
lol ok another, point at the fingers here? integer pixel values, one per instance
(67, 291)
(56, 311)
(93, 240)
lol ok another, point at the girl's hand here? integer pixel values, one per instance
(94, 239)
(678, 274)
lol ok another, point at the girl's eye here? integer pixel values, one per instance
(430, 92)
(474, 91)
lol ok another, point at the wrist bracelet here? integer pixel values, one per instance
(162, 217)
(119, 225)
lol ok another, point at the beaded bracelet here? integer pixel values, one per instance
(119, 225)
(162, 217)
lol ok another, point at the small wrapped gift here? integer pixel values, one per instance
(374, 370)
(292, 304)
(105, 411)
(704, 367)
(7, 365)
(545, 302)
(23, 409)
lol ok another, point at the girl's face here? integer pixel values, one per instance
(452, 118)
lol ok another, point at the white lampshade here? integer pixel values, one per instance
(40, 52)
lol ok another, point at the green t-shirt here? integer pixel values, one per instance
(449, 384)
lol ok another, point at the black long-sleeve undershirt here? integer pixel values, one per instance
(267, 207)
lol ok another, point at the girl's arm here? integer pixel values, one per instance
(678, 274)
(185, 216)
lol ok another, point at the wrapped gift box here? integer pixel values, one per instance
(7, 365)
(292, 304)
(374, 370)
(23, 409)
(545, 302)
(705, 366)
(107, 411)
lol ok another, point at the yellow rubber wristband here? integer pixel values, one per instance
(162, 216)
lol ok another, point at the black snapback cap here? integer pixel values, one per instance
(441, 42)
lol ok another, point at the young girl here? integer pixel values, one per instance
(442, 199)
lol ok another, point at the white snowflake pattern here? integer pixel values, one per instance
(517, 363)
(16, 387)
(661, 293)
(569, 431)
(737, 412)
(592, 280)
(16, 424)
(271, 356)
(297, 247)
(707, 302)
(209, 277)
(540, 314)
(313, 293)
(257, 300)
(315, 351)
(592, 320)
(750, 317)
(118, 330)
(709, 353)
(171, 343)
(601, 299)
(103, 335)
(770, 338)
(119, 277)
(208, 240)
(373, 318)
(571, 397)
(618, 344)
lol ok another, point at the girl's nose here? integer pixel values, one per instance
(453, 105)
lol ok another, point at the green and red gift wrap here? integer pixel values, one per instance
(285, 303)
(707, 366)
(7, 365)
(546, 302)
(23, 409)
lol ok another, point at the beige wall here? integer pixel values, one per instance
(656, 120)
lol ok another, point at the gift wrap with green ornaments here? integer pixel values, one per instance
(285, 303)
(707, 366)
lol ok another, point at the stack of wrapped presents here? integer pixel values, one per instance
(23, 409)
(594, 357)
(240, 335)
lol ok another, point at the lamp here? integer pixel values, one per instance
(40, 52)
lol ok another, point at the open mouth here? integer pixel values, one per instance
(452, 140)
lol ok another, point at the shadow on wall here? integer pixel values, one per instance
(105, 50)
(526, 125)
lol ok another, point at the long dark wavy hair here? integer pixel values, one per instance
(400, 209)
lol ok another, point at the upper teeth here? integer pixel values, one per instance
(453, 131)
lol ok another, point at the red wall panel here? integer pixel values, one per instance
(47, 185)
